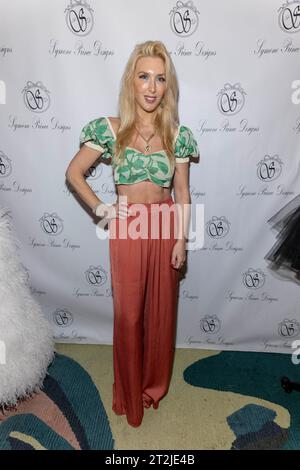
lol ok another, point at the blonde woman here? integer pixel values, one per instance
(149, 151)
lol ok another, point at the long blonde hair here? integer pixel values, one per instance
(166, 118)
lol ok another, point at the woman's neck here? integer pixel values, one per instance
(145, 120)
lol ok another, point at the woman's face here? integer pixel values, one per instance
(149, 82)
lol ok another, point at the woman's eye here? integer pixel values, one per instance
(162, 79)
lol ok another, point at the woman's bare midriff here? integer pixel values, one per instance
(143, 192)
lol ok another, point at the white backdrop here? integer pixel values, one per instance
(238, 64)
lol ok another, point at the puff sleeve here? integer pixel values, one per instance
(97, 135)
(186, 145)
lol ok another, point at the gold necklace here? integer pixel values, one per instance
(148, 146)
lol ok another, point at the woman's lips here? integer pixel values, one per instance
(150, 99)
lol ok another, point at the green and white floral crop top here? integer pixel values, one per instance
(99, 135)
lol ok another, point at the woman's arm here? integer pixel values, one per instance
(78, 166)
(182, 207)
(183, 199)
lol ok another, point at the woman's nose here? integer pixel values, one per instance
(152, 86)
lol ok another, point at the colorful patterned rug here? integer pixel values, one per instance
(67, 414)
(217, 400)
(253, 375)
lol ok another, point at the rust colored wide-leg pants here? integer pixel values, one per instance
(145, 296)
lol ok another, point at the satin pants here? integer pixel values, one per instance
(145, 296)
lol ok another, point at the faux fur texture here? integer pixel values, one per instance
(26, 338)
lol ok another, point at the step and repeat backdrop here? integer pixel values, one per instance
(238, 68)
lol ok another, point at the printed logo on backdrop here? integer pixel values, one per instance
(5, 50)
(231, 99)
(289, 22)
(184, 19)
(184, 22)
(36, 97)
(289, 16)
(254, 278)
(288, 328)
(62, 318)
(269, 168)
(79, 17)
(217, 227)
(5, 172)
(210, 324)
(94, 172)
(196, 192)
(96, 276)
(5, 165)
(51, 224)
(186, 294)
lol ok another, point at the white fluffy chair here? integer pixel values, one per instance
(26, 338)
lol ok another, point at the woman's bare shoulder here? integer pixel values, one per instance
(176, 131)
(115, 122)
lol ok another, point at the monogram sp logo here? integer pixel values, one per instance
(51, 224)
(269, 168)
(79, 17)
(210, 324)
(96, 276)
(184, 19)
(62, 318)
(36, 97)
(217, 227)
(288, 328)
(231, 99)
(254, 278)
(5, 165)
(289, 16)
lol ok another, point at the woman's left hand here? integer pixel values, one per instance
(178, 255)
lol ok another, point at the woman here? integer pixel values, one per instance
(148, 151)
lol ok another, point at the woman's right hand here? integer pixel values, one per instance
(116, 210)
